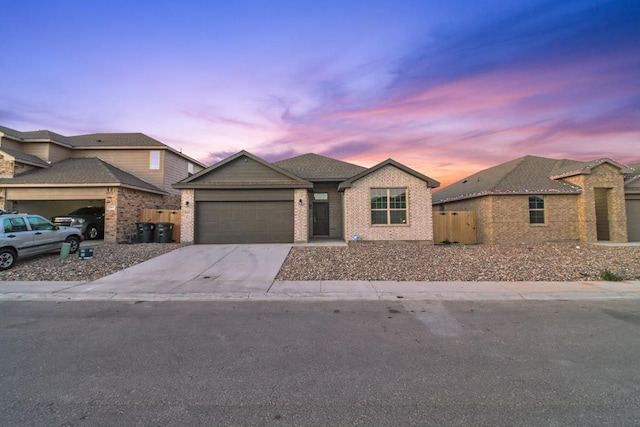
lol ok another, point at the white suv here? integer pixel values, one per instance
(26, 234)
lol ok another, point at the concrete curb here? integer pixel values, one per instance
(335, 290)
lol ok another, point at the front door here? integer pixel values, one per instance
(321, 219)
(602, 213)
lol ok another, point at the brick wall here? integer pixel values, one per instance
(505, 218)
(187, 216)
(357, 208)
(601, 176)
(122, 208)
(301, 216)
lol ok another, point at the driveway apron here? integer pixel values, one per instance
(198, 269)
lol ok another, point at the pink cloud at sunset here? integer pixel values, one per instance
(445, 89)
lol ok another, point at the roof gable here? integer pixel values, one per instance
(314, 167)
(566, 168)
(243, 170)
(389, 162)
(79, 172)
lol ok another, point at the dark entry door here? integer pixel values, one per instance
(602, 213)
(321, 219)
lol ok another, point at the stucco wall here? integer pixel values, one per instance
(357, 208)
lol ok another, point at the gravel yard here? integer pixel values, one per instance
(372, 261)
(505, 262)
(108, 258)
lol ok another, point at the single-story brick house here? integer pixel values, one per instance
(245, 199)
(541, 199)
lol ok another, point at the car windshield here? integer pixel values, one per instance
(86, 211)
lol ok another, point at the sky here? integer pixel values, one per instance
(445, 87)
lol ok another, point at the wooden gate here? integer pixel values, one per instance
(454, 227)
(162, 215)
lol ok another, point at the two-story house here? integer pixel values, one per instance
(50, 174)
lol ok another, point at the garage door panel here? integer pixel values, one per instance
(633, 220)
(244, 222)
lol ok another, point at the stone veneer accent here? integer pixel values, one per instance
(122, 210)
(187, 216)
(357, 208)
(300, 215)
(10, 168)
(602, 176)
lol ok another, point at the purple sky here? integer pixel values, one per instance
(447, 88)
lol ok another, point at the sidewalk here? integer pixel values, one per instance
(324, 291)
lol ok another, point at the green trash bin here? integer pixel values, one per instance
(145, 231)
(164, 232)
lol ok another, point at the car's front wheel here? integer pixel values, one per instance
(91, 232)
(75, 244)
(7, 258)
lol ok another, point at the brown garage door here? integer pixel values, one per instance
(244, 222)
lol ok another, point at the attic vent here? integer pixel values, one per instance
(98, 140)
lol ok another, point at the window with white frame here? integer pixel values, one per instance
(190, 168)
(154, 160)
(536, 210)
(388, 206)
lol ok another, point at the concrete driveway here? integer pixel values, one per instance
(220, 269)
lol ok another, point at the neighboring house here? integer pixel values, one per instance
(540, 199)
(245, 199)
(50, 174)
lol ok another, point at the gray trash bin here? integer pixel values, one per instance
(145, 231)
(164, 232)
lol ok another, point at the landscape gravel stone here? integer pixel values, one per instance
(108, 258)
(373, 261)
(500, 262)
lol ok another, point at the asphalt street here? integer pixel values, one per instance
(87, 363)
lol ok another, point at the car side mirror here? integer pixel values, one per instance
(55, 227)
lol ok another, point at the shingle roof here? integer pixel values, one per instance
(285, 178)
(525, 175)
(79, 171)
(24, 157)
(37, 135)
(314, 167)
(114, 140)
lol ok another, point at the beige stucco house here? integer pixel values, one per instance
(50, 174)
(541, 199)
(245, 199)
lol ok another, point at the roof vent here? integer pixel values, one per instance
(98, 140)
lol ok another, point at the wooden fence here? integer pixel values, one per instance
(162, 215)
(454, 227)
